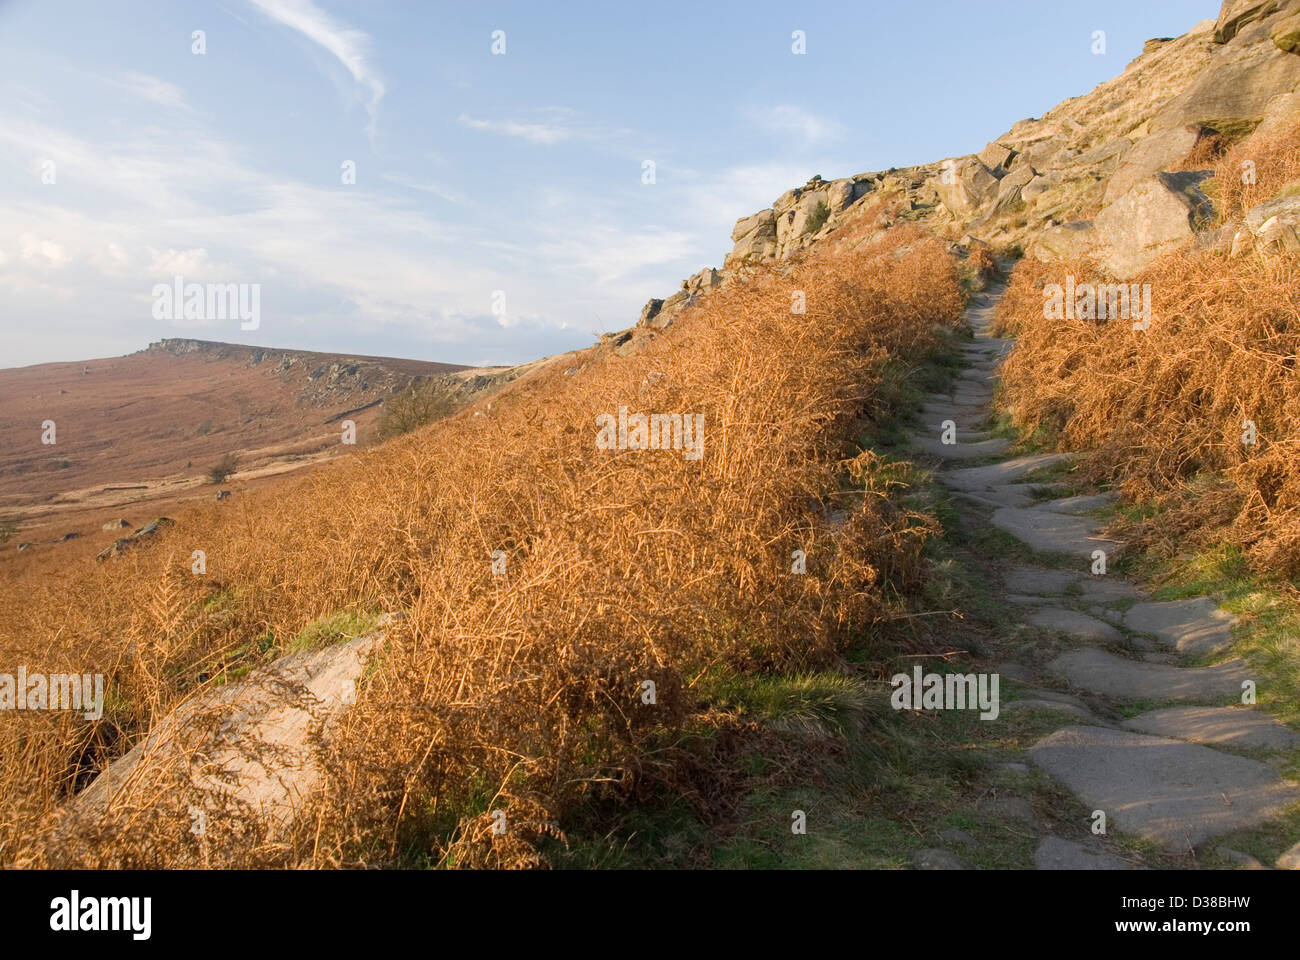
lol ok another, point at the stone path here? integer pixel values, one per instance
(1174, 772)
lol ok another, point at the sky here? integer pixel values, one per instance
(468, 182)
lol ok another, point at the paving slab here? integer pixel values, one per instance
(933, 416)
(1102, 589)
(1039, 580)
(1289, 860)
(1175, 794)
(1057, 854)
(1014, 671)
(1110, 616)
(1051, 706)
(962, 451)
(1049, 532)
(996, 474)
(1217, 726)
(1076, 624)
(1081, 504)
(1003, 495)
(1101, 672)
(972, 392)
(1195, 626)
(938, 859)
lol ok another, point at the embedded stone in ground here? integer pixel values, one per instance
(1009, 808)
(1289, 860)
(963, 417)
(1105, 613)
(1195, 626)
(977, 478)
(1014, 671)
(962, 450)
(1002, 495)
(1219, 726)
(1057, 854)
(1243, 860)
(1049, 532)
(1039, 580)
(1101, 672)
(1075, 624)
(1052, 706)
(1081, 504)
(1104, 590)
(938, 859)
(1175, 794)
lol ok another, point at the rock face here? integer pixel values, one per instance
(754, 238)
(1097, 176)
(1236, 14)
(1286, 34)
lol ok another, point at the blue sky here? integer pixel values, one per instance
(475, 172)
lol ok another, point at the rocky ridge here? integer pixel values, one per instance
(1100, 175)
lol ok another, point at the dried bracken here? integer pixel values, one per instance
(516, 691)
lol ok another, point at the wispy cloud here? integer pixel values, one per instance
(543, 133)
(437, 189)
(154, 89)
(351, 47)
(547, 126)
(786, 120)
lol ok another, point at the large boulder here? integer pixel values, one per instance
(1160, 151)
(1157, 216)
(965, 187)
(1011, 187)
(1034, 189)
(995, 156)
(1104, 156)
(841, 194)
(1271, 227)
(649, 311)
(258, 743)
(1280, 113)
(1066, 241)
(1043, 153)
(754, 238)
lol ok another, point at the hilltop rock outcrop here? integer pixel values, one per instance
(1104, 175)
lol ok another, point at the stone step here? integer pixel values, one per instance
(1080, 504)
(1217, 726)
(1172, 793)
(963, 417)
(962, 450)
(1057, 854)
(1076, 624)
(1049, 532)
(981, 478)
(1100, 672)
(1039, 580)
(1195, 626)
